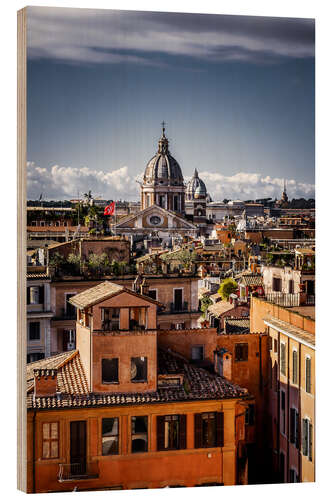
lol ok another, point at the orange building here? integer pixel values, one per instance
(291, 388)
(123, 412)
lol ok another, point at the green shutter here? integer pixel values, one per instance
(292, 425)
(305, 437)
(310, 441)
(297, 430)
(198, 430)
(308, 374)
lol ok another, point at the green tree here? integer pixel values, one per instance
(205, 302)
(227, 287)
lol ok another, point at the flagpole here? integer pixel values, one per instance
(115, 219)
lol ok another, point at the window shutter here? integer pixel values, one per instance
(305, 437)
(160, 432)
(308, 375)
(28, 295)
(219, 429)
(198, 430)
(297, 430)
(41, 295)
(292, 425)
(182, 432)
(310, 441)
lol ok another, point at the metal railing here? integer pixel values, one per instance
(73, 472)
(174, 307)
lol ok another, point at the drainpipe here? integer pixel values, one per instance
(33, 452)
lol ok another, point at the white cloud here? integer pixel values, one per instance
(246, 186)
(65, 182)
(60, 182)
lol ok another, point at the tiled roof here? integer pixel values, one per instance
(55, 229)
(70, 378)
(199, 384)
(252, 280)
(219, 308)
(237, 325)
(95, 294)
(37, 276)
(293, 331)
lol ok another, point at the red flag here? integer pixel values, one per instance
(109, 210)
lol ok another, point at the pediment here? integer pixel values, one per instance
(156, 217)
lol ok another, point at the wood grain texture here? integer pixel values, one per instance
(21, 247)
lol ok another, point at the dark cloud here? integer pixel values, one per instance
(108, 36)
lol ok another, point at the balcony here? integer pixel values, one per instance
(176, 307)
(290, 299)
(65, 314)
(77, 472)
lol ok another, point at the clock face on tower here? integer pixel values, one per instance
(155, 220)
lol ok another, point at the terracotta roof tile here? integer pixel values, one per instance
(95, 294)
(220, 307)
(199, 384)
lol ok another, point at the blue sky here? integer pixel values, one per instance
(237, 94)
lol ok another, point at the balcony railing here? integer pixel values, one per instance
(176, 307)
(65, 314)
(75, 472)
(284, 299)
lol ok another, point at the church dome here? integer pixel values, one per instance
(163, 168)
(196, 188)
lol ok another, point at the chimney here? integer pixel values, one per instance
(45, 382)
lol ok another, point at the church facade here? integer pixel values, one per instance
(164, 212)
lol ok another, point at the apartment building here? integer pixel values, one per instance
(123, 412)
(291, 390)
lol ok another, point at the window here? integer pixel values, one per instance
(139, 434)
(197, 352)
(275, 345)
(291, 286)
(50, 444)
(283, 358)
(249, 415)
(308, 375)
(70, 310)
(208, 428)
(277, 284)
(110, 436)
(139, 369)
(110, 318)
(270, 343)
(152, 294)
(35, 295)
(307, 438)
(137, 318)
(171, 432)
(110, 371)
(283, 412)
(294, 427)
(293, 478)
(35, 356)
(241, 352)
(34, 330)
(295, 367)
(282, 466)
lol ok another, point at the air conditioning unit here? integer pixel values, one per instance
(70, 346)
